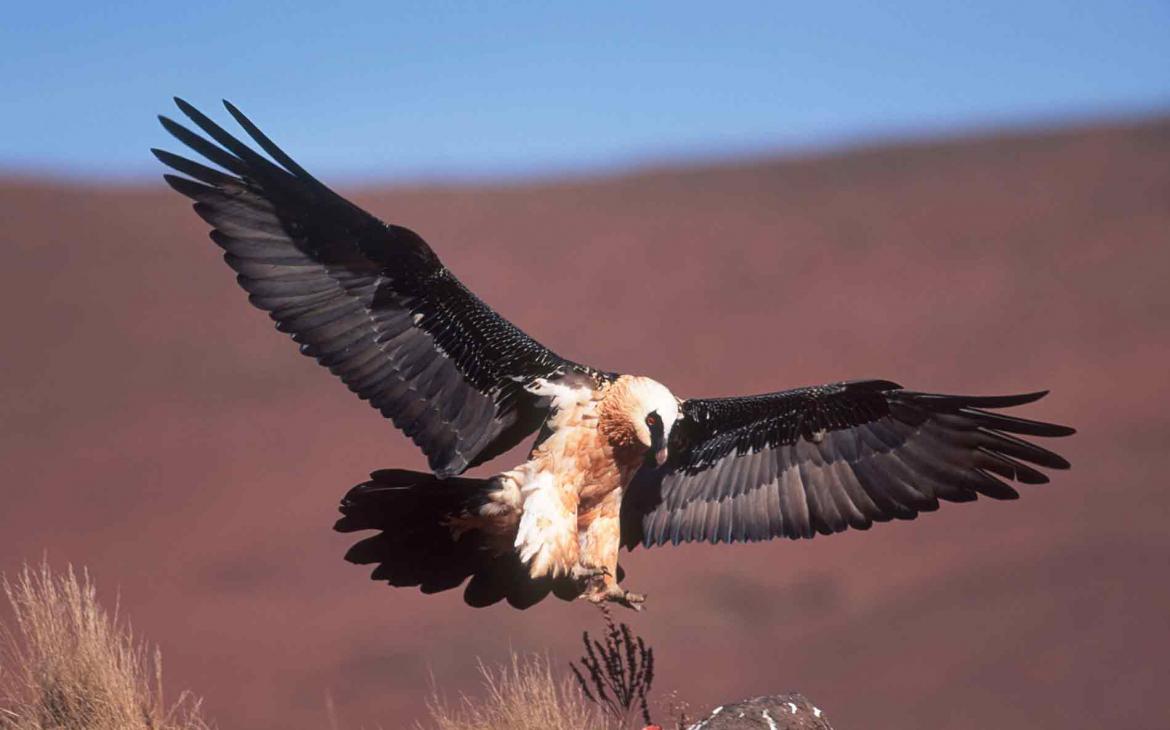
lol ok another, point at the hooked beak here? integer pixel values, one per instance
(661, 456)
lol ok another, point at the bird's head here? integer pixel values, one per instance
(638, 414)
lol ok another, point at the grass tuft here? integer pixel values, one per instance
(523, 696)
(67, 664)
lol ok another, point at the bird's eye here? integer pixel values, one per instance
(652, 419)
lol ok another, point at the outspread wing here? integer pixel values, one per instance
(370, 301)
(823, 459)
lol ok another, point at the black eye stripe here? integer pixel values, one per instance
(654, 422)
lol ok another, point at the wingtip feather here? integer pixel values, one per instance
(1060, 431)
(186, 107)
(185, 186)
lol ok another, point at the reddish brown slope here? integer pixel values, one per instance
(158, 430)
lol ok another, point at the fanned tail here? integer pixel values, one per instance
(416, 545)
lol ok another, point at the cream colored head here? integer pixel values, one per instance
(639, 413)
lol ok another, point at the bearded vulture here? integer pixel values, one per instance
(618, 461)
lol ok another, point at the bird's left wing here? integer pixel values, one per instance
(370, 301)
(826, 458)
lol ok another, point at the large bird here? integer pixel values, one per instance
(618, 461)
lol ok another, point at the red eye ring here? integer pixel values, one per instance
(651, 420)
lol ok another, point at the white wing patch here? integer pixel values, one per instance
(568, 392)
(547, 536)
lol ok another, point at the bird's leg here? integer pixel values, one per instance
(600, 536)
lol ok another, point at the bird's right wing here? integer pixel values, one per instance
(370, 301)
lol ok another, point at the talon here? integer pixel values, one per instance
(585, 572)
(616, 594)
(633, 601)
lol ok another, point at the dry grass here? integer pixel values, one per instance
(523, 696)
(67, 664)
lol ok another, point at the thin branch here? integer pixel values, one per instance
(620, 669)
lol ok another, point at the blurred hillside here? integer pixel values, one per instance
(158, 430)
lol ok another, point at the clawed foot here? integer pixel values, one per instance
(616, 594)
(631, 600)
(586, 573)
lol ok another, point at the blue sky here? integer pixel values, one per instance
(389, 90)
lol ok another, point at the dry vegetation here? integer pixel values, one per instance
(620, 669)
(67, 664)
(527, 695)
(608, 691)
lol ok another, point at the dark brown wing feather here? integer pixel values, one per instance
(370, 301)
(823, 459)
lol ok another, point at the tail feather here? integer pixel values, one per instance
(415, 547)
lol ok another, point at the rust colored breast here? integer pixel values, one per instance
(605, 469)
(591, 450)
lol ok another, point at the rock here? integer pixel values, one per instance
(791, 711)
